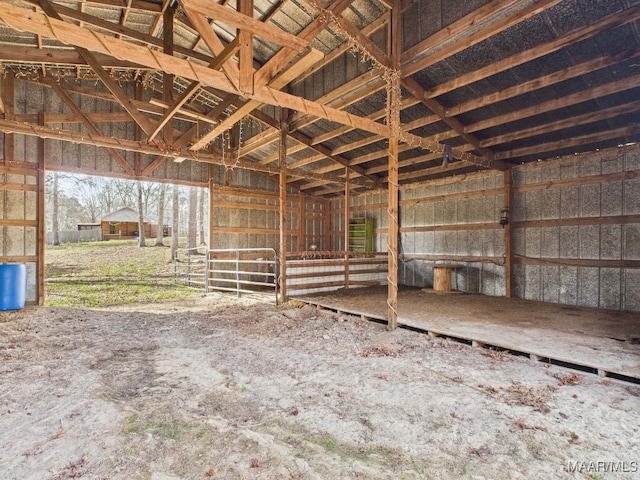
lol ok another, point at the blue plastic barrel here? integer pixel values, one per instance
(13, 286)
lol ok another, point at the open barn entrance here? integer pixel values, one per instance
(111, 240)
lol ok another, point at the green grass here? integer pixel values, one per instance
(100, 274)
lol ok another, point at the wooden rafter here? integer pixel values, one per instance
(617, 19)
(13, 127)
(104, 76)
(325, 152)
(85, 20)
(245, 55)
(412, 63)
(584, 119)
(284, 56)
(242, 21)
(172, 109)
(632, 133)
(90, 126)
(338, 51)
(308, 58)
(555, 104)
(546, 81)
(50, 56)
(417, 91)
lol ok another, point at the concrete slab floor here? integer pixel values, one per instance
(603, 342)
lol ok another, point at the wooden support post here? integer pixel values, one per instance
(137, 156)
(302, 242)
(393, 111)
(40, 293)
(508, 201)
(392, 236)
(327, 224)
(346, 227)
(246, 50)
(167, 78)
(8, 92)
(282, 163)
(211, 206)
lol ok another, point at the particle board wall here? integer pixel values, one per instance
(577, 230)
(31, 99)
(453, 221)
(246, 216)
(18, 220)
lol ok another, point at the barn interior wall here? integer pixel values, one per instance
(246, 214)
(18, 210)
(577, 230)
(32, 99)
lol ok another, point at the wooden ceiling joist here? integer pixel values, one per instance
(9, 126)
(91, 126)
(556, 104)
(240, 73)
(411, 63)
(615, 20)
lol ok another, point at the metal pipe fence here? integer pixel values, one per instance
(244, 270)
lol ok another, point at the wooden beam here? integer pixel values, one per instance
(22, 20)
(229, 16)
(507, 180)
(284, 56)
(282, 177)
(111, 85)
(584, 119)
(150, 149)
(167, 78)
(612, 21)
(393, 98)
(51, 56)
(477, 17)
(417, 91)
(216, 47)
(545, 81)
(325, 152)
(245, 40)
(414, 59)
(347, 200)
(373, 27)
(627, 83)
(86, 121)
(344, 95)
(173, 108)
(120, 31)
(630, 134)
(41, 216)
(363, 41)
(308, 59)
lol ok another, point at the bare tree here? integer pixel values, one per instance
(141, 238)
(175, 224)
(201, 216)
(56, 206)
(193, 218)
(160, 227)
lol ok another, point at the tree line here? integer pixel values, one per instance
(72, 199)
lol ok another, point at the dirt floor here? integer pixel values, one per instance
(214, 387)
